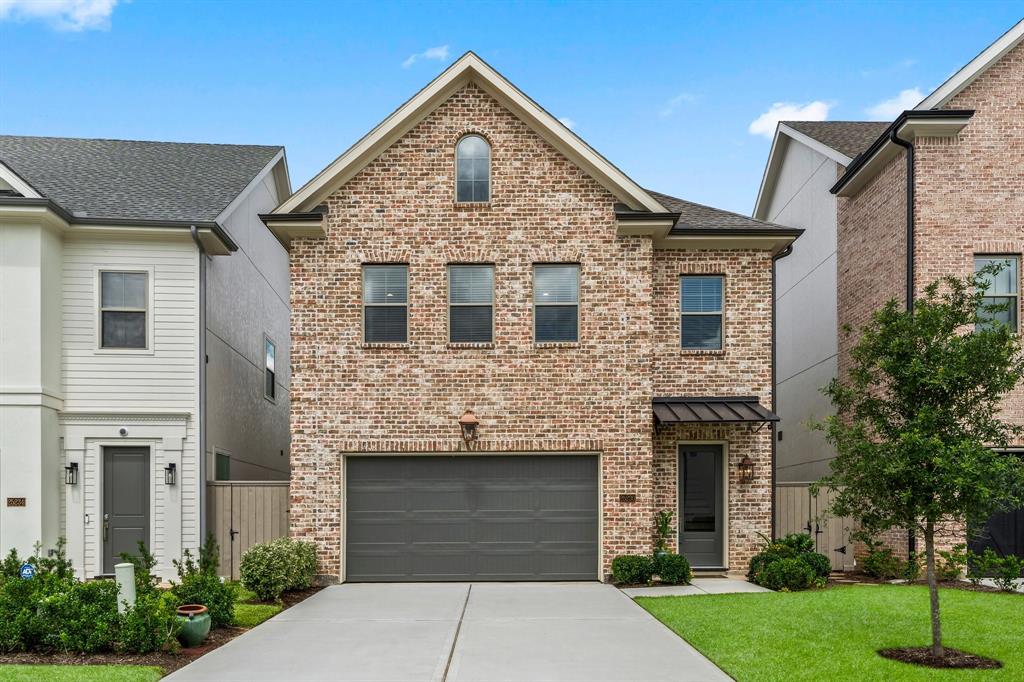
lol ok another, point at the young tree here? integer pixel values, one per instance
(917, 426)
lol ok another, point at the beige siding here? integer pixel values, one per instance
(256, 510)
(798, 511)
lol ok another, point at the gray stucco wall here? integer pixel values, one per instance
(805, 294)
(247, 299)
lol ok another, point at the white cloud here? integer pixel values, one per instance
(891, 108)
(676, 102)
(61, 15)
(567, 122)
(766, 123)
(439, 53)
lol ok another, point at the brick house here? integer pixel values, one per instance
(503, 348)
(846, 184)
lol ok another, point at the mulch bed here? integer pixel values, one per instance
(167, 661)
(860, 578)
(953, 658)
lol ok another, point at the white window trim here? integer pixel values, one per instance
(1020, 277)
(363, 305)
(98, 348)
(534, 304)
(448, 274)
(490, 174)
(683, 314)
(266, 340)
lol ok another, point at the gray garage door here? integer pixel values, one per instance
(439, 518)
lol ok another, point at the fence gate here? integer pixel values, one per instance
(244, 513)
(797, 511)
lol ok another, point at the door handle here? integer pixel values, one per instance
(233, 533)
(106, 526)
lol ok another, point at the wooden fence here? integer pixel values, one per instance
(798, 511)
(244, 513)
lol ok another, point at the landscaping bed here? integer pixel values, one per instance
(837, 633)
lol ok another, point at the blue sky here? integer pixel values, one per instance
(666, 91)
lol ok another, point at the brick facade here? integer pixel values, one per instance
(969, 200)
(594, 396)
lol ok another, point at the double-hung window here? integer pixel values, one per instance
(385, 303)
(269, 375)
(124, 301)
(701, 312)
(1002, 289)
(471, 303)
(556, 303)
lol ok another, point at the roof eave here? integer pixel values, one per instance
(298, 225)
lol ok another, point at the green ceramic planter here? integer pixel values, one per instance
(195, 624)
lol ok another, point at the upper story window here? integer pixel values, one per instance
(1002, 289)
(701, 307)
(471, 303)
(269, 376)
(556, 303)
(385, 303)
(472, 170)
(123, 309)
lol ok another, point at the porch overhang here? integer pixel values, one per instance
(712, 410)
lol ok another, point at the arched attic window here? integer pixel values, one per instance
(472, 170)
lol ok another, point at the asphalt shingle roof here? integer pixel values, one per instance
(128, 179)
(699, 216)
(846, 137)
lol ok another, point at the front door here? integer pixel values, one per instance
(125, 503)
(701, 516)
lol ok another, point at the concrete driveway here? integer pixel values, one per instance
(479, 632)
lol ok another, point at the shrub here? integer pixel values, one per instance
(80, 618)
(673, 569)
(818, 563)
(788, 575)
(150, 625)
(881, 563)
(200, 584)
(798, 542)
(272, 568)
(662, 530)
(952, 563)
(1004, 570)
(632, 569)
(911, 568)
(143, 562)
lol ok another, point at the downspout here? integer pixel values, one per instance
(201, 492)
(775, 397)
(909, 147)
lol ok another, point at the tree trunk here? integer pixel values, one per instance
(933, 588)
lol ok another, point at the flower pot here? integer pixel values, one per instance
(195, 624)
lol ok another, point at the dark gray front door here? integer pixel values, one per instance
(444, 518)
(701, 517)
(125, 503)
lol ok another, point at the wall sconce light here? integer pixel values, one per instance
(71, 474)
(469, 424)
(746, 470)
(169, 472)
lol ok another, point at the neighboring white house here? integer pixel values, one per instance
(143, 321)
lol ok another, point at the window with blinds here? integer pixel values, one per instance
(470, 303)
(124, 302)
(701, 308)
(556, 298)
(385, 303)
(1002, 290)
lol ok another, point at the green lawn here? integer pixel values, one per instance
(833, 634)
(79, 673)
(251, 615)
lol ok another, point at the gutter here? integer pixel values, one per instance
(775, 398)
(201, 484)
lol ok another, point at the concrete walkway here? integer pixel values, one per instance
(480, 632)
(699, 586)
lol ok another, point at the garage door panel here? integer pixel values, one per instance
(522, 517)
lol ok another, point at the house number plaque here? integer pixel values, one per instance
(15, 501)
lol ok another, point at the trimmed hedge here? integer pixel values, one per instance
(787, 575)
(793, 549)
(272, 568)
(673, 569)
(632, 569)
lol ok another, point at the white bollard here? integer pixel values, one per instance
(124, 576)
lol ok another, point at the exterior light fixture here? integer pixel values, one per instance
(71, 474)
(169, 472)
(746, 470)
(469, 424)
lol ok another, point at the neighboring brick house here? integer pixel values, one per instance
(846, 184)
(502, 346)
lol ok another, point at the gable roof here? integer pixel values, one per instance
(133, 180)
(849, 138)
(695, 217)
(468, 68)
(974, 68)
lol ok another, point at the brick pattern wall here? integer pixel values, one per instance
(585, 397)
